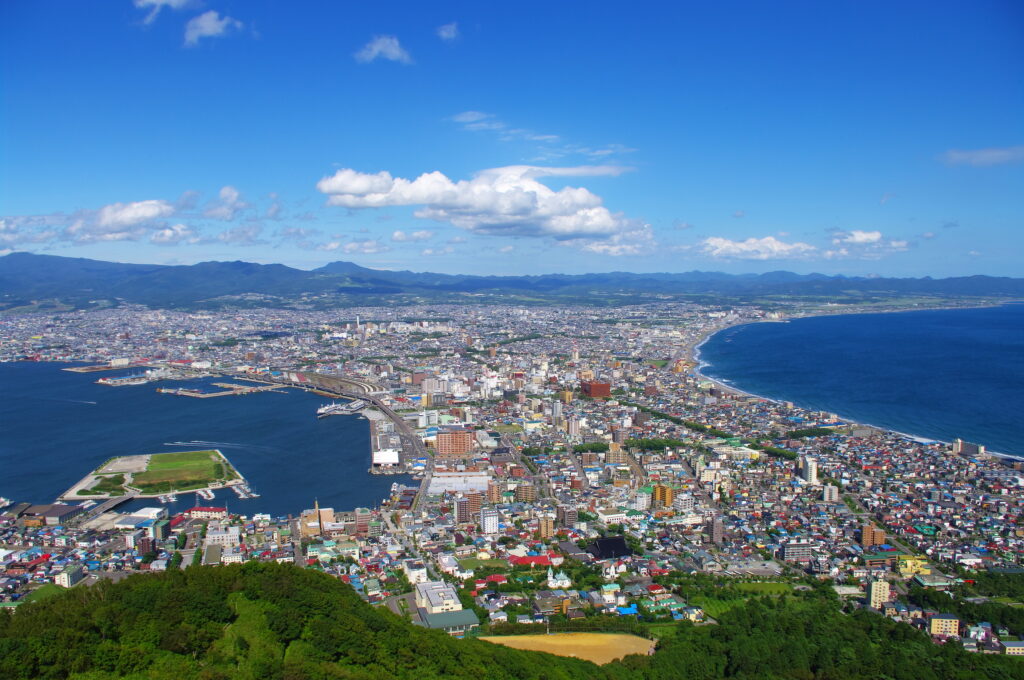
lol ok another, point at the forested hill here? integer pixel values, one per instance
(279, 622)
(49, 281)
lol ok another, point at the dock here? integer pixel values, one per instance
(230, 390)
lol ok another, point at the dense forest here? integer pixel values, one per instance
(278, 621)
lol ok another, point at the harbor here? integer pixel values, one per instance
(227, 390)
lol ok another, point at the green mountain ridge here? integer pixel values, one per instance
(26, 278)
(272, 621)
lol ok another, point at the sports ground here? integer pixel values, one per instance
(601, 648)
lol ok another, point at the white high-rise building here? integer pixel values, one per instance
(489, 520)
(830, 493)
(810, 472)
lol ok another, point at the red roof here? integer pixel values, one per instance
(206, 508)
(531, 560)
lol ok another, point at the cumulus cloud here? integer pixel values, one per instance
(984, 157)
(155, 6)
(448, 32)
(421, 235)
(508, 201)
(227, 205)
(856, 237)
(113, 222)
(16, 231)
(863, 245)
(636, 241)
(383, 47)
(209, 25)
(429, 252)
(118, 215)
(767, 248)
(367, 246)
(173, 235)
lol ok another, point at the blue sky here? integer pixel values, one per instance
(842, 137)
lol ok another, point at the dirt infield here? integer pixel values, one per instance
(601, 648)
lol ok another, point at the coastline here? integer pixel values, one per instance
(693, 354)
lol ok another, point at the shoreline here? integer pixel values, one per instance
(693, 353)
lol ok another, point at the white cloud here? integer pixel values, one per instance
(506, 249)
(113, 222)
(471, 116)
(636, 241)
(155, 6)
(508, 201)
(227, 205)
(16, 231)
(767, 248)
(383, 47)
(457, 239)
(739, 214)
(368, 246)
(856, 237)
(421, 235)
(863, 245)
(448, 32)
(208, 25)
(547, 151)
(173, 235)
(429, 252)
(984, 157)
(242, 236)
(118, 215)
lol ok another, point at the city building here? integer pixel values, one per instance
(879, 592)
(454, 443)
(489, 521)
(435, 597)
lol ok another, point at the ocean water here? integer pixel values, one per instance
(56, 426)
(936, 374)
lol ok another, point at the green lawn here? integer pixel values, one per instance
(474, 563)
(506, 429)
(715, 608)
(765, 588)
(182, 471)
(43, 592)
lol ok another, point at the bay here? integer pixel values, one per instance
(56, 426)
(937, 374)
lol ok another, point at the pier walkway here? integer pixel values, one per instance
(109, 504)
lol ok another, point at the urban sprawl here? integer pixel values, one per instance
(566, 464)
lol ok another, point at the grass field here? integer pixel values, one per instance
(474, 563)
(765, 588)
(43, 592)
(601, 648)
(181, 471)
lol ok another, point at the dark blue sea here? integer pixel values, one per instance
(936, 374)
(56, 426)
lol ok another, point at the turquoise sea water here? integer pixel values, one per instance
(56, 426)
(935, 374)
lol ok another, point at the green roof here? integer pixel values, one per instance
(463, 617)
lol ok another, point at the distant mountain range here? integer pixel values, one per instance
(29, 281)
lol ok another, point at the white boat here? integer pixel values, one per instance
(335, 409)
(4, 502)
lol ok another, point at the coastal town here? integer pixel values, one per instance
(555, 466)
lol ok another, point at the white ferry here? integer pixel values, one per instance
(335, 409)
